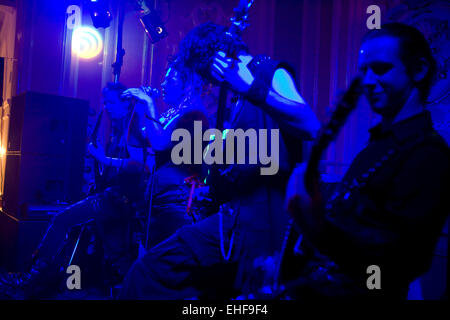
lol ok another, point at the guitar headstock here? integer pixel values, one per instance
(142, 6)
(240, 20)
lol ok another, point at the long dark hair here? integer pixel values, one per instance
(197, 49)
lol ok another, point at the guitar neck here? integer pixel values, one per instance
(339, 117)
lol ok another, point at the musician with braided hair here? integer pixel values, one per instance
(235, 251)
(170, 188)
(387, 213)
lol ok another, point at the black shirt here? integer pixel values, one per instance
(257, 200)
(391, 206)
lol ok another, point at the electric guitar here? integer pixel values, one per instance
(238, 24)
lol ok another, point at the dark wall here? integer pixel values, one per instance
(319, 37)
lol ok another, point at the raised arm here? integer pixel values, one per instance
(273, 90)
(157, 135)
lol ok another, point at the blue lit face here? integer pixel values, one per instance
(115, 107)
(172, 88)
(386, 82)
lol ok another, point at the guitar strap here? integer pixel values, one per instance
(405, 149)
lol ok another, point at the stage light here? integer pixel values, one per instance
(153, 26)
(87, 42)
(100, 13)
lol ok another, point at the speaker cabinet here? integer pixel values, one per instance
(46, 148)
(18, 240)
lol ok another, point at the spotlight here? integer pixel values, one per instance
(100, 13)
(153, 26)
(87, 42)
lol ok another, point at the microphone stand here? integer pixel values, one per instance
(120, 52)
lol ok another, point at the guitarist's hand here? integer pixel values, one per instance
(202, 193)
(235, 73)
(97, 153)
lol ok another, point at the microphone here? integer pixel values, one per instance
(152, 92)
